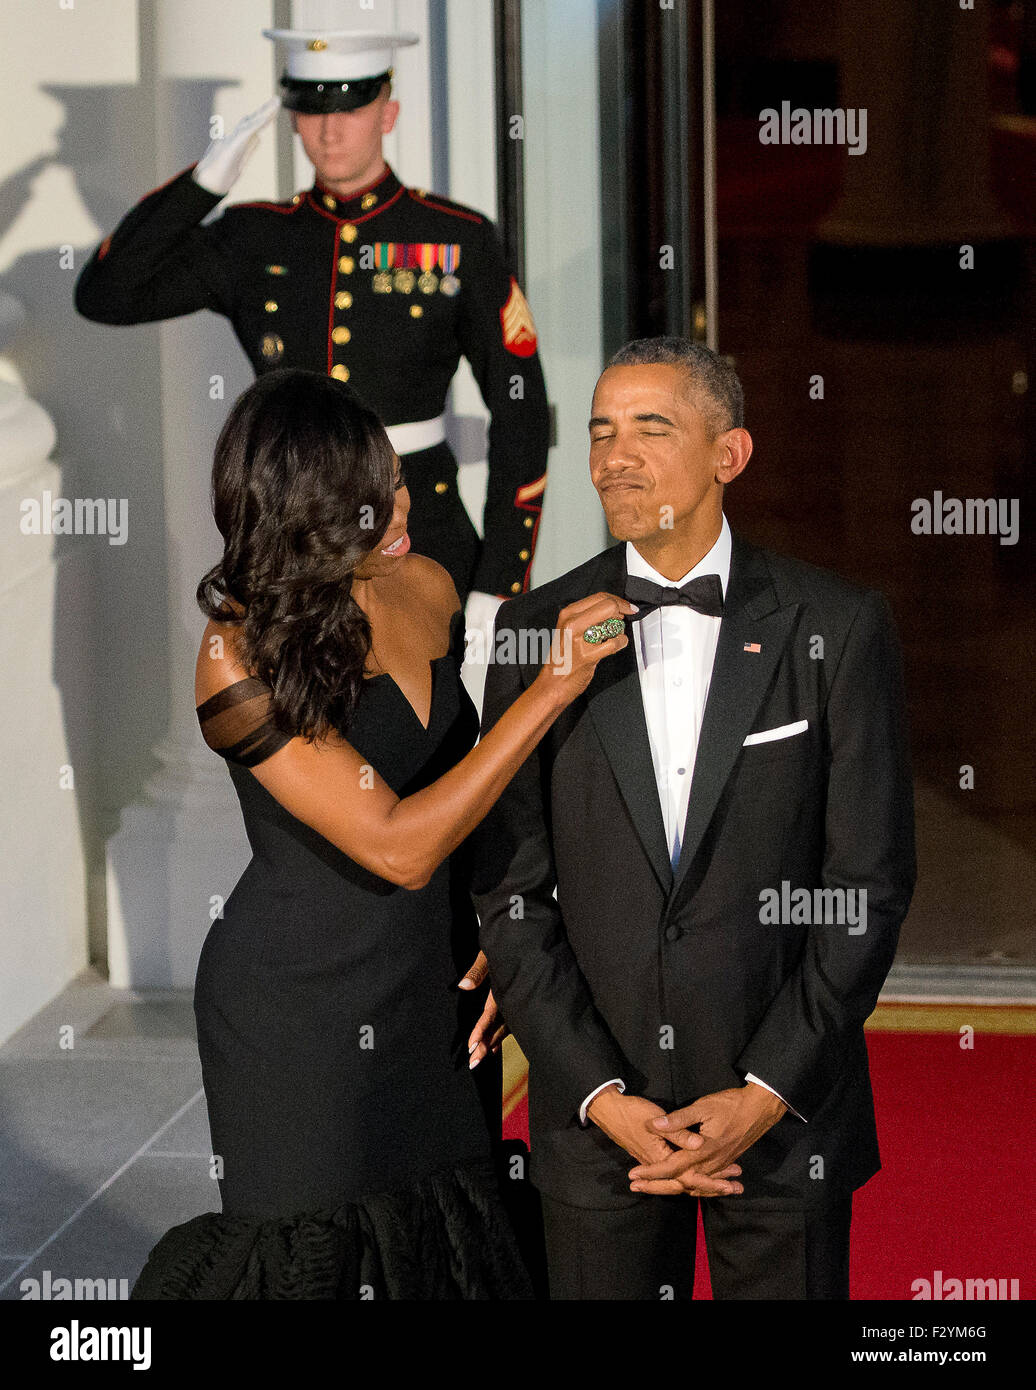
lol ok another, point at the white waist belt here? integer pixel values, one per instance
(416, 435)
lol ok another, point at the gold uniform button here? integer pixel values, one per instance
(343, 300)
(416, 311)
(368, 200)
(523, 554)
(270, 306)
(297, 199)
(528, 521)
(349, 232)
(442, 487)
(340, 335)
(516, 588)
(340, 373)
(329, 202)
(346, 265)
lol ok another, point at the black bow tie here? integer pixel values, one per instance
(704, 594)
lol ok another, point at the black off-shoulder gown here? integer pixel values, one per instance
(355, 1150)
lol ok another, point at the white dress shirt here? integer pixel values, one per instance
(676, 648)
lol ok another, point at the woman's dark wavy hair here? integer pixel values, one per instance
(302, 490)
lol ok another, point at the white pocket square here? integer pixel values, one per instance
(782, 731)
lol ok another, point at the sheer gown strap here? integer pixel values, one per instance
(457, 637)
(237, 724)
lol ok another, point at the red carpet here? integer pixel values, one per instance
(957, 1131)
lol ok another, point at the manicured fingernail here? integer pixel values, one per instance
(466, 983)
(661, 1122)
(471, 1048)
(633, 607)
(474, 1063)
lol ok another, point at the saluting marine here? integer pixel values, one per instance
(380, 285)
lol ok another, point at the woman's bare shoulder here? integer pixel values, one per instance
(434, 583)
(219, 664)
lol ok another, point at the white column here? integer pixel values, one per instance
(42, 864)
(183, 842)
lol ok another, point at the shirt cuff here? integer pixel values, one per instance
(615, 1081)
(750, 1077)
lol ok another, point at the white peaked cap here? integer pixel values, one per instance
(333, 55)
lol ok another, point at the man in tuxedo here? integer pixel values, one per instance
(727, 818)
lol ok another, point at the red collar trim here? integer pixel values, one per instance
(352, 202)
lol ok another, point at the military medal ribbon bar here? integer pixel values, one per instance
(427, 254)
(384, 258)
(449, 260)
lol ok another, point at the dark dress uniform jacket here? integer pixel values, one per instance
(297, 281)
(590, 981)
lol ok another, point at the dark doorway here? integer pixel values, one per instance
(879, 307)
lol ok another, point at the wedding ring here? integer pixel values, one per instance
(600, 632)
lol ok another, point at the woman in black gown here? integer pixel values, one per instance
(353, 1150)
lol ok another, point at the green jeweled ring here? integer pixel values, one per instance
(600, 632)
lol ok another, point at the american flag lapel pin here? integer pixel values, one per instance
(753, 647)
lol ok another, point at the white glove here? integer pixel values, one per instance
(479, 619)
(220, 166)
(480, 612)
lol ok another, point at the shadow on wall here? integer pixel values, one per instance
(102, 387)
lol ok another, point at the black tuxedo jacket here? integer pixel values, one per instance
(674, 982)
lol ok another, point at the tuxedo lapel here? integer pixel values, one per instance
(617, 709)
(751, 619)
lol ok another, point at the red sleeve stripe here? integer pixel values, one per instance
(272, 207)
(530, 490)
(335, 245)
(441, 207)
(169, 181)
(102, 250)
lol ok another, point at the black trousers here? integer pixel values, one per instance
(646, 1251)
(439, 525)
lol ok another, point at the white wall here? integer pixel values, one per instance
(563, 261)
(42, 864)
(563, 276)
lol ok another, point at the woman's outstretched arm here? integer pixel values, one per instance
(329, 786)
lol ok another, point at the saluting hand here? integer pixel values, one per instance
(220, 166)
